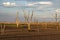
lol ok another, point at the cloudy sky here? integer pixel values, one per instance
(45, 9)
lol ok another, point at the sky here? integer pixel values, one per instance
(43, 10)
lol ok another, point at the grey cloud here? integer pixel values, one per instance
(27, 0)
(32, 0)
